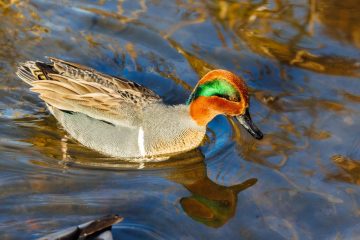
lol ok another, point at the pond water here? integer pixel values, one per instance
(301, 60)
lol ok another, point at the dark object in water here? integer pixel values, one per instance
(99, 229)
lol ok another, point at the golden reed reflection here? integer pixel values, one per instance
(257, 24)
(349, 169)
(340, 18)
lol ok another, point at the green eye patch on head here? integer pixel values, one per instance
(216, 87)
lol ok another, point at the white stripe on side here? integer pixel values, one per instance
(141, 142)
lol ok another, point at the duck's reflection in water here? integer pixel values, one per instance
(209, 203)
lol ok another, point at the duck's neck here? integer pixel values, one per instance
(200, 113)
(172, 119)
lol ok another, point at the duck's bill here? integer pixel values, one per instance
(247, 123)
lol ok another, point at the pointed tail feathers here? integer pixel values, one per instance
(32, 71)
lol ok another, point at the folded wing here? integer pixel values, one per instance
(74, 88)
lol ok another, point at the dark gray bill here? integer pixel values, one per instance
(247, 123)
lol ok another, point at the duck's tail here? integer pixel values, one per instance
(33, 71)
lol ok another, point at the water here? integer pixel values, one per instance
(301, 60)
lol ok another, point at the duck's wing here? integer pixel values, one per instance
(130, 90)
(75, 88)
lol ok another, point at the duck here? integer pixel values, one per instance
(122, 119)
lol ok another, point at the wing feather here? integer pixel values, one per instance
(74, 87)
(89, 98)
(132, 90)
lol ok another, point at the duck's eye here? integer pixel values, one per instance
(228, 97)
(235, 99)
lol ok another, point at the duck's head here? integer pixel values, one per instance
(222, 92)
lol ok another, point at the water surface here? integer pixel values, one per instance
(301, 60)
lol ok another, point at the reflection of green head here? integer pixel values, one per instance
(209, 212)
(214, 211)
